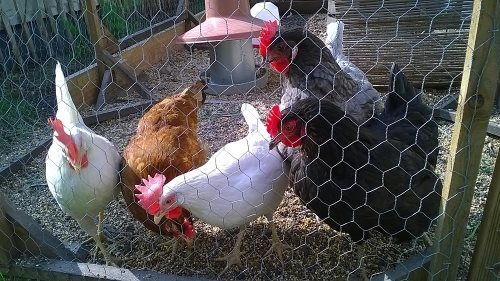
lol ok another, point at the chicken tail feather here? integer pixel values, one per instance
(401, 91)
(251, 117)
(66, 109)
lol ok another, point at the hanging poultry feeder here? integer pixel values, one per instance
(229, 28)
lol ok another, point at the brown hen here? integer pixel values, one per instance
(166, 142)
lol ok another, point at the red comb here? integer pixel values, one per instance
(63, 137)
(150, 193)
(266, 36)
(273, 120)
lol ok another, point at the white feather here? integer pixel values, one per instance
(81, 195)
(240, 182)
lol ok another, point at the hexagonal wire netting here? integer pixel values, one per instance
(191, 169)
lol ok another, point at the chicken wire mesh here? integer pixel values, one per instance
(366, 163)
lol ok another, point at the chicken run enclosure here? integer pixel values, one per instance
(393, 174)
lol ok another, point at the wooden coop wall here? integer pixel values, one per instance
(426, 37)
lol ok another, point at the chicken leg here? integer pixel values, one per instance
(99, 230)
(277, 245)
(234, 256)
(88, 225)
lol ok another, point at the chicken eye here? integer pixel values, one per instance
(289, 126)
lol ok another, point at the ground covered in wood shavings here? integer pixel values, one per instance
(316, 253)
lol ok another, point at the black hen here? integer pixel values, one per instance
(355, 178)
(408, 119)
(310, 70)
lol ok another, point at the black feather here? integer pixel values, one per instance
(357, 179)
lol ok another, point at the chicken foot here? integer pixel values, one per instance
(427, 239)
(107, 257)
(277, 245)
(234, 256)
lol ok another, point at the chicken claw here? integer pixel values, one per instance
(427, 239)
(277, 245)
(234, 256)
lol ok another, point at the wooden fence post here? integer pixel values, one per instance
(485, 263)
(12, 38)
(332, 15)
(6, 245)
(475, 104)
(95, 33)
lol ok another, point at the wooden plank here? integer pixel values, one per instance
(64, 270)
(42, 28)
(53, 24)
(113, 63)
(95, 33)
(7, 248)
(84, 84)
(475, 105)
(30, 238)
(62, 13)
(118, 113)
(418, 274)
(144, 34)
(2, 61)
(331, 14)
(11, 37)
(103, 96)
(110, 43)
(485, 264)
(89, 120)
(414, 263)
(25, 159)
(26, 29)
(448, 115)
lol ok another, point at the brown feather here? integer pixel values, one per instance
(166, 142)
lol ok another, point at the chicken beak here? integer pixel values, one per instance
(275, 141)
(157, 218)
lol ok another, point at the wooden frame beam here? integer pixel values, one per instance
(493, 129)
(485, 264)
(84, 85)
(94, 29)
(113, 63)
(65, 270)
(475, 104)
(21, 234)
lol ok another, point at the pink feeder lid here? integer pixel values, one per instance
(226, 20)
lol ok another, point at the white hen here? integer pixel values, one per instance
(241, 182)
(82, 168)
